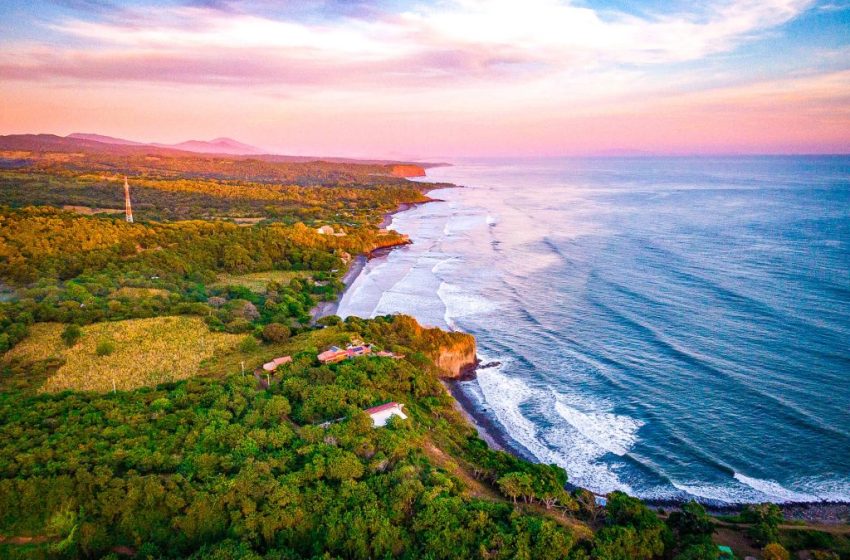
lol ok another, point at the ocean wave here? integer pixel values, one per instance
(602, 293)
(611, 432)
(461, 303)
(745, 489)
(575, 440)
(774, 490)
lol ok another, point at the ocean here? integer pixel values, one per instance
(673, 327)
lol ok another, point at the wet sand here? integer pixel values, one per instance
(327, 308)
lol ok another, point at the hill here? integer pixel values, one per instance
(91, 151)
(216, 146)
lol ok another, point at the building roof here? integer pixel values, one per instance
(332, 352)
(272, 365)
(383, 407)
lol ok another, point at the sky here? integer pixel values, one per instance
(442, 79)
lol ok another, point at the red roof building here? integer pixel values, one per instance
(273, 365)
(382, 413)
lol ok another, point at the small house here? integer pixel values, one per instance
(359, 350)
(336, 354)
(382, 413)
(273, 365)
(333, 355)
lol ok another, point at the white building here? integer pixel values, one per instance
(382, 413)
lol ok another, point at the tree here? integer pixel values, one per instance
(71, 334)
(765, 520)
(250, 312)
(329, 321)
(275, 332)
(775, 551)
(248, 344)
(692, 524)
(586, 502)
(516, 485)
(704, 551)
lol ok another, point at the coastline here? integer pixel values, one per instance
(327, 308)
(823, 512)
(358, 263)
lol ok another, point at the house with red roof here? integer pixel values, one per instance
(382, 413)
(273, 365)
(333, 355)
(336, 354)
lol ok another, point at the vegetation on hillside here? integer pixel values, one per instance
(192, 456)
(122, 354)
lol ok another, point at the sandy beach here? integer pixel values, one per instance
(327, 308)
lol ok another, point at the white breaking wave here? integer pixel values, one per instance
(774, 490)
(461, 303)
(577, 445)
(746, 489)
(611, 432)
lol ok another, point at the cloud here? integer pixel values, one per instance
(539, 76)
(445, 44)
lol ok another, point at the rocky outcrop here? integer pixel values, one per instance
(407, 170)
(453, 353)
(457, 360)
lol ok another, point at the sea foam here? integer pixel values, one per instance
(570, 438)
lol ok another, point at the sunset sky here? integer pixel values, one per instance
(436, 79)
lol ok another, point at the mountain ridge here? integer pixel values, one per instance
(221, 145)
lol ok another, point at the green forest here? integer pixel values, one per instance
(221, 462)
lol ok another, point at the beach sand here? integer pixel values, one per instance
(327, 308)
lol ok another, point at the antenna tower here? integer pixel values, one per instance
(128, 208)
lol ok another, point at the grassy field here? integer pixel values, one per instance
(144, 352)
(257, 281)
(138, 293)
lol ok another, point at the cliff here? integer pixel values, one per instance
(407, 170)
(452, 352)
(457, 359)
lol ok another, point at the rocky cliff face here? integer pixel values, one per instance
(456, 359)
(452, 352)
(406, 170)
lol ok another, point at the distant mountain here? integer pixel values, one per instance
(103, 139)
(218, 146)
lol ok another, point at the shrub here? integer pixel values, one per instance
(275, 332)
(330, 320)
(238, 325)
(105, 348)
(704, 551)
(775, 551)
(765, 519)
(249, 344)
(71, 335)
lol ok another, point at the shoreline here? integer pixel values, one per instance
(328, 308)
(823, 512)
(358, 263)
